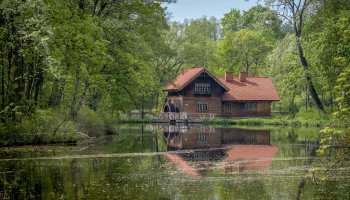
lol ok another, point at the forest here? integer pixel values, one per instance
(72, 66)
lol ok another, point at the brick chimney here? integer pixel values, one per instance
(242, 76)
(229, 76)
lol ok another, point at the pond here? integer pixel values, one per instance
(174, 162)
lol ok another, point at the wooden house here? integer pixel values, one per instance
(196, 90)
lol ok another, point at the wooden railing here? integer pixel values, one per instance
(180, 116)
(173, 116)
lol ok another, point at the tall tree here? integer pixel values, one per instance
(244, 49)
(232, 21)
(327, 38)
(294, 11)
(258, 18)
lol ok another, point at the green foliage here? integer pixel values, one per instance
(343, 96)
(245, 49)
(327, 37)
(339, 137)
(38, 129)
(91, 123)
(257, 18)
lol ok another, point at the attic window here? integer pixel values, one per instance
(203, 75)
(202, 88)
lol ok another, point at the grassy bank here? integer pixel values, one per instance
(136, 121)
(54, 126)
(273, 121)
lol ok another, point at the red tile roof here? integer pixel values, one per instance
(182, 164)
(184, 78)
(253, 89)
(187, 77)
(251, 156)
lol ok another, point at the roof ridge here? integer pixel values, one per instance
(247, 77)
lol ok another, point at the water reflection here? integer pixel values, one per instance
(165, 162)
(229, 149)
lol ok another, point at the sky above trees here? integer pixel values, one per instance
(193, 9)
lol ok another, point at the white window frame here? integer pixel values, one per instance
(228, 106)
(202, 88)
(202, 106)
(251, 106)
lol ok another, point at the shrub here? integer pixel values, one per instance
(90, 122)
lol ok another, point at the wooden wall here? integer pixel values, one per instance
(190, 104)
(263, 108)
(193, 139)
(215, 89)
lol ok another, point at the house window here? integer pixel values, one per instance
(202, 106)
(250, 106)
(228, 106)
(202, 88)
(264, 105)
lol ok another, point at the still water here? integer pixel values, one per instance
(174, 162)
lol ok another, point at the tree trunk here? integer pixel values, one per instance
(57, 92)
(38, 84)
(29, 80)
(73, 111)
(9, 82)
(17, 75)
(83, 95)
(2, 79)
(309, 82)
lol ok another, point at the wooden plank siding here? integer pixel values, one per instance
(263, 108)
(186, 100)
(190, 105)
(193, 138)
(215, 89)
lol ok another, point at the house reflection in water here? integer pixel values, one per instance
(230, 149)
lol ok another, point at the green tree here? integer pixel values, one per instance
(200, 39)
(286, 72)
(294, 11)
(258, 18)
(232, 21)
(326, 36)
(245, 49)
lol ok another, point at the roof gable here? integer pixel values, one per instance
(186, 77)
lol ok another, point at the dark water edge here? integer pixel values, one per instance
(159, 162)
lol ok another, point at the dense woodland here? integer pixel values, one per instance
(79, 65)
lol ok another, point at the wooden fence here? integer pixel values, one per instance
(172, 116)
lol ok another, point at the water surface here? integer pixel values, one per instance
(174, 162)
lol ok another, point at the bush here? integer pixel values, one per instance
(311, 114)
(38, 129)
(90, 122)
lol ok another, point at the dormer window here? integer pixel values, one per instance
(202, 88)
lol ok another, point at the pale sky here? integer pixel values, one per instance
(193, 9)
